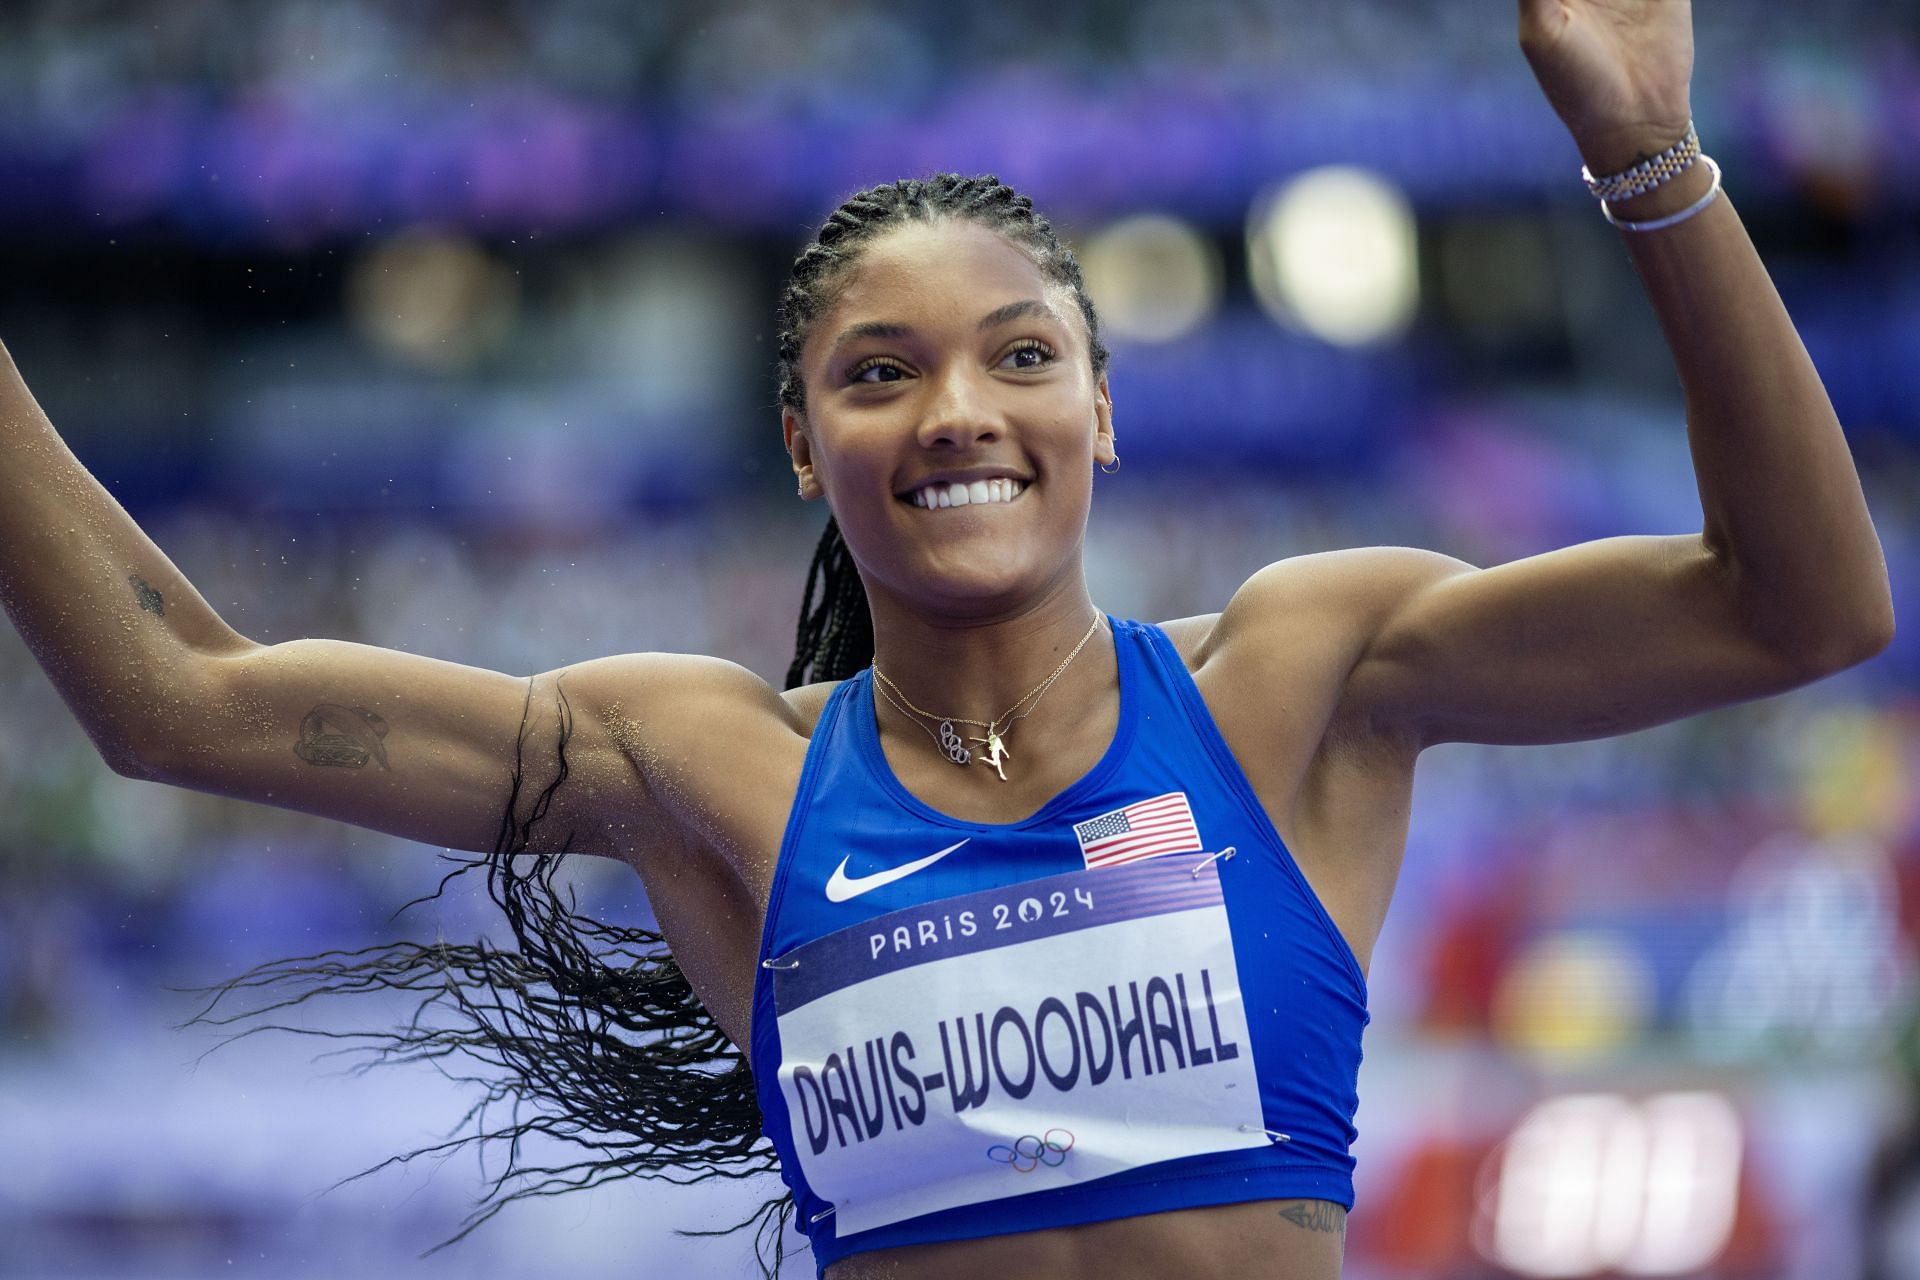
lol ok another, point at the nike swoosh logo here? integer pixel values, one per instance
(842, 887)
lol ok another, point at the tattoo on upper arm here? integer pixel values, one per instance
(149, 598)
(1316, 1215)
(346, 737)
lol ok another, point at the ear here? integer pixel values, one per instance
(800, 449)
(1103, 450)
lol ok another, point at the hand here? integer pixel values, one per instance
(1616, 71)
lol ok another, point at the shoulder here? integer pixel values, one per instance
(808, 701)
(1350, 593)
(669, 684)
(678, 708)
(715, 748)
(1311, 615)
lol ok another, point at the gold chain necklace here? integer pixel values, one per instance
(949, 740)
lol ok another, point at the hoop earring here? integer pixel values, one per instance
(1109, 469)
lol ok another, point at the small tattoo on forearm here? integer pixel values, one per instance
(346, 737)
(150, 599)
(1316, 1215)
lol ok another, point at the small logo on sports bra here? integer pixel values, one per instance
(1029, 1151)
(842, 887)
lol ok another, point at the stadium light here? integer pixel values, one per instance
(432, 300)
(1153, 277)
(1333, 253)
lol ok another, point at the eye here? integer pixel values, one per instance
(1029, 353)
(878, 365)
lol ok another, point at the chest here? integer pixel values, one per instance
(711, 894)
(1135, 974)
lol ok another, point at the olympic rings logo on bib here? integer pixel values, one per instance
(1028, 1152)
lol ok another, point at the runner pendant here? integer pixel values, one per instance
(951, 744)
(996, 752)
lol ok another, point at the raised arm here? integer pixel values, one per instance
(1785, 582)
(405, 744)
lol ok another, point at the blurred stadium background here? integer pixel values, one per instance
(447, 327)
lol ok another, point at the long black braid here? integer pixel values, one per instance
(835, 637)
(589, 1032)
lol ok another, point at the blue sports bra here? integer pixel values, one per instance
(1129, 1002)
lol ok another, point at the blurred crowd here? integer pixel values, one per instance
(877, 53)
(305, 121)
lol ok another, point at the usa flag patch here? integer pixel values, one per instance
(1144, 829)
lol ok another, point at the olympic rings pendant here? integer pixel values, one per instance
(950, 742)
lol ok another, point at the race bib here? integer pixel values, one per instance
(1017, 1039)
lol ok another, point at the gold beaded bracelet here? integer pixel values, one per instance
(1648, 174)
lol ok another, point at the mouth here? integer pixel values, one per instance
(935, 497)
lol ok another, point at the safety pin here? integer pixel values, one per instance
(823, 1213)
(771, 963)
(1201, 865)
(1277, 1137)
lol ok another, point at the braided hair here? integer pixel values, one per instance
(835, 637)
(588, 1032)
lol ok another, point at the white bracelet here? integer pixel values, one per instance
(1672, 219)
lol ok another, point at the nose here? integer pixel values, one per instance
(960, 412)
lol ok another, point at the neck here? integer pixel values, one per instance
(979, 667)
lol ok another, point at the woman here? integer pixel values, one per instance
(1046, 932)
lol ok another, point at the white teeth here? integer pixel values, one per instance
(960, 495)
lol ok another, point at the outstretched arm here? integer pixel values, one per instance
(105, 613)
(1785, 582)
(410, 745)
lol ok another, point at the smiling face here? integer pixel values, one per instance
(949, 366)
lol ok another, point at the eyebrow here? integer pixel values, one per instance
(1012, 311)
(894, 329)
